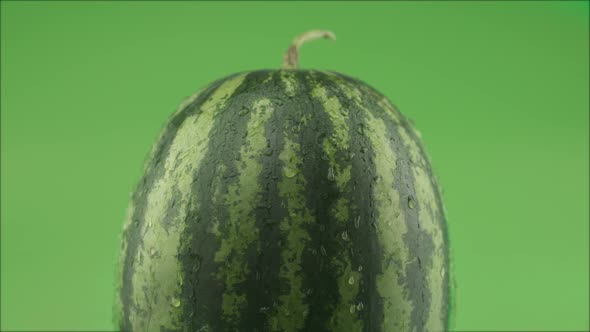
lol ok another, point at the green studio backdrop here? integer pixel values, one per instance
(499, 91)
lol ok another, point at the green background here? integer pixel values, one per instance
(499, 91)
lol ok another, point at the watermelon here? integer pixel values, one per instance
(286, 200)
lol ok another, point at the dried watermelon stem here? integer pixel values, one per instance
(291, 58)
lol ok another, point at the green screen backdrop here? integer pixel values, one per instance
(499, 91)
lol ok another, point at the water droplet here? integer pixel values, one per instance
(269, 221)
(350, 155)
(299, 126)
(204, 328)
(323, 251)
(360, 306)
(150, 224)
(153, 252)
(322, 227)
(175, 302)
(320, 138)
(442, 272)
(345, 236)
(244, 111)
(418, 133)
(374, 224)
(411, 202)
(360, 268)
(197, 263)
(289, 172)
(352, 308)
(263, 309)
(351, 280)
(267, 152)
(331, 176)
(360, 129)
(357, 222)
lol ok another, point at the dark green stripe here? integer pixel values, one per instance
(319, 280)
(204, 291)
(154, 171)
(262, 286)
(366, 249)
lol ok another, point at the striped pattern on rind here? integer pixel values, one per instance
(286, 200)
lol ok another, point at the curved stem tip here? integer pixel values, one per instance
(291, 58)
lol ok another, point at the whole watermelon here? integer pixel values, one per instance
(286, 200)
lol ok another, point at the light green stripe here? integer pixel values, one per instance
(291, 86)
(391, 226)
(156, 285)
(345, 316)
(340, 210)
(131, 208)
(292, 310)
(241, 200)
(334, 110)
(268, 78)
(147, 165)
(339, 141)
